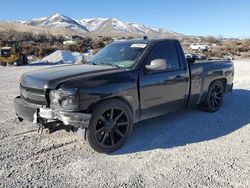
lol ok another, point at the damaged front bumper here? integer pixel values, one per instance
(36, 115)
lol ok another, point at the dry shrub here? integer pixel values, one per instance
(44, 44)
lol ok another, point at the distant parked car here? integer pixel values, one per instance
(197, 46)
(69, 42)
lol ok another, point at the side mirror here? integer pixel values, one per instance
(158, 65)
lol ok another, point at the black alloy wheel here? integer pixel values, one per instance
(110, 125)
(214, 97)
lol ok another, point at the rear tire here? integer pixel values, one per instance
(214, 97)
(3, 64)
(110, 125)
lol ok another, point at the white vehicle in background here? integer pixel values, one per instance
(69, 42)
(197, 46)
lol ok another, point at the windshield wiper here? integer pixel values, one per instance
(111, 64)
(105, 63)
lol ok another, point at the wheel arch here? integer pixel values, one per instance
(128, 100)
(205, 104)
(222, 80)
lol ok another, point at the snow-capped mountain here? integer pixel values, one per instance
(104, 26)
(116, 25)
(57, 21)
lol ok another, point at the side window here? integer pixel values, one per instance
(166, 50)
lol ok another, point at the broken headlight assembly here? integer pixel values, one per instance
(67, 99)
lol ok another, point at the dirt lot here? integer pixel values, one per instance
(186, 149)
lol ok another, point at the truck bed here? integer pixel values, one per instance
(203, 72)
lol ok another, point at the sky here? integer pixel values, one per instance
(227, 18)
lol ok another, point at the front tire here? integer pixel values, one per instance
(22, 60)
(110, 125)
(214, 97)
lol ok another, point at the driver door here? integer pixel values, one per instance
(166, 90)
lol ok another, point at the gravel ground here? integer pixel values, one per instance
(186, 149)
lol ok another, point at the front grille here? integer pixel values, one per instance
(33, 96)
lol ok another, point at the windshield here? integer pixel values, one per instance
(123, 55)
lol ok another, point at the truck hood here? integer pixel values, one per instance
(52, 77)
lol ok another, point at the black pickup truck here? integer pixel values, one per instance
(126, 82)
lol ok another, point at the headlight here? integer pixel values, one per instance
(68, 99)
